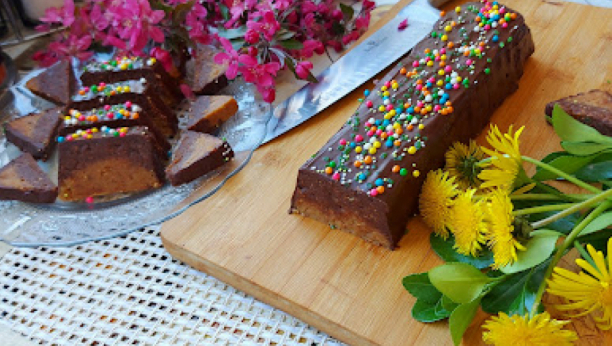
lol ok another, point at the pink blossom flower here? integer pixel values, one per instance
(362, 23)
(99, 19)
(268, 26)
(268, 93)
(163, 56)
(237, 8)
(281, 5)
(45, 58)
(136, 21)
(64, 15)
(229, 57)
(187, 92)
(256, 73)
(402, 25)
(311, 47)
(368, 5)
(251, 36)
(73, 46)
(195, 20)
(302, 69)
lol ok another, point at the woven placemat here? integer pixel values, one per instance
(129, 290)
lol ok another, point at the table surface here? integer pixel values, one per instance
(129, 289)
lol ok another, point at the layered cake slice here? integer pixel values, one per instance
(366, 179)
(137, 91)
(208, 113)
(35, 133)
(23, 180)
(195, 155)
(593, 108)
(204, 76)
(126, 114)
(56, 84)
(106, 161)
(124, 68)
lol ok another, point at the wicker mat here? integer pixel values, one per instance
(128, 290)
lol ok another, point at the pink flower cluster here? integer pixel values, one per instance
(257, 38)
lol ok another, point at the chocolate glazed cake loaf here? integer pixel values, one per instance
(366, 179)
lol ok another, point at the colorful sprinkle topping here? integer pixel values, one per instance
(107, 90)
(103, 131)
(390, 128)
(107, 112)
(119, 64)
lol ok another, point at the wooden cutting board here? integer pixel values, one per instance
(334, 281)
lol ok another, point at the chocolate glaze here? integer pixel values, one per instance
(195, 155)
(381, 219)
(35, 133)
(23, 180)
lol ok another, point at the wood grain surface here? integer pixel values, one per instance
(336, 282)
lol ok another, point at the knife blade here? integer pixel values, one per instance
(359, 65)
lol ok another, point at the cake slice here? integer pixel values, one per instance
(123, 68)
(593, 108)
(126, 114)
(195, 155)
(35, 133)
(106, 161)
(56, 84)
(204, 76)
(208, 113)
(23, 180)
(136, 91)
(366, 179)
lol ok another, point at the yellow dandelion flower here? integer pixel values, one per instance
(590, 290)
(436, 199)
(467, 223)
(515, 330)
(462, 163)
(500, 232)
(505, 165)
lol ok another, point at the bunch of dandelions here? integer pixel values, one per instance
(502, 233)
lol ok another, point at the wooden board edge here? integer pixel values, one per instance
(267, 296)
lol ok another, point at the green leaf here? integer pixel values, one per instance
(584, 148)
(347, 11)
(444, 249)
(459, 281)
(231, 34)
(461, 318)
(224, 11)
(539, 247)
(291, 44)
(516, 294)
(567, 163)
(572, 130)
(595, 172)
(421, 288)
(426, 312)
(448, 304)
(284, 34)
(603, 221)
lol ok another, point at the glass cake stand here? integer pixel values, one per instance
(68, 223)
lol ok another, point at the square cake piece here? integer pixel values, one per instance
(204, 76)
(124, 68)
(23, 180)
(35, 133)
(138, 92)
(367, 178)
(106, 161)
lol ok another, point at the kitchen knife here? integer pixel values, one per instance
(363, 62)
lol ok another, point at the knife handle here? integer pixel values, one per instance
(437, 3)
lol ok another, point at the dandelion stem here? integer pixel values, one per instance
(564, 246)
(543, 208)
(549, 197)
(562, 174)
(577, 207)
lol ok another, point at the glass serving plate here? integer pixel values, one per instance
(69, 223)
